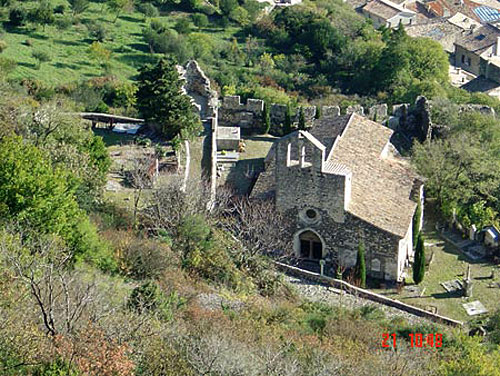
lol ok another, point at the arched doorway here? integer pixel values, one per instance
(310, 246)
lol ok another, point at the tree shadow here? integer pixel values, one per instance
(131, 19)
(67, 42)
(65, 65)
(27, 65)
(143, 47)
(136, 60)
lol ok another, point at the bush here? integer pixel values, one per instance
(42, 57)
(60, 9)
(148, 9)
(200, 20)
(97, 31)
(18, 16)
(64, 22)
(183, 26)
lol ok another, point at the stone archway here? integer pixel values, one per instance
(309, 245)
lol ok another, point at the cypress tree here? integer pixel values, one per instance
(266, 119)
(361, 265)
(317, 115)
(302, 119)
(417, 217)
(419, 262)
(288, 120)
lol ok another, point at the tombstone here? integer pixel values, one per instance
(472, 232)
(467, 289)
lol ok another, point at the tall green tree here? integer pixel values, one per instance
(302, 119)
(161, 102)
(266, 119)
(118, 6)
(288, 119)
(417, 218)
(43, 14)
(360, 268)
(419, 261)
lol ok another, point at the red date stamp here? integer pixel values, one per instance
(415, 339)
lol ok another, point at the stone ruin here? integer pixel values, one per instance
(249, 115)
(197, 86)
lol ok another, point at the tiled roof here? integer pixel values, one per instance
(381, 9)
(479, 40)
(381, 181)
(381, 185)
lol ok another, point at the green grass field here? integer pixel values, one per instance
(449, 263)
(70, 59)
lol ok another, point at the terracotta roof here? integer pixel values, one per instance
(479, 40)
(382, 182)
(381, 185)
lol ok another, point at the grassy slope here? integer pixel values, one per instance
(70, 60)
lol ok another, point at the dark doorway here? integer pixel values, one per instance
(310, 246)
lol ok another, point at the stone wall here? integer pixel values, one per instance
(362, 293)
(249, 115)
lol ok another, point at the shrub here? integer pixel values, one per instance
(148, 9)
(41, 56)
(3, 45)
(64, 22)
(97, 31)
(200, 20)
(60, 9)
(183, 26)
(18, 16)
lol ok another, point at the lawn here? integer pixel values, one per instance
(449, 263)
(69, 49)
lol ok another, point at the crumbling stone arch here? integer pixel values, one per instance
(308, 234)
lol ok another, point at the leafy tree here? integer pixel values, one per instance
(79, 6)
(183, 26)
(360, 268)
(200, 20)
(302, 119)
(417, 218)
(161, 102)
(18, 16)
(118, 6)
(43, 14)
(34, 192)
(317, 114)
(100, 54)
(227, 6)
(419, 261)
(149, 10)
(41, 56)
(266, 119)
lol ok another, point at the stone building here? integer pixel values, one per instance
(478, 52)
(389, 14)
(342, 183)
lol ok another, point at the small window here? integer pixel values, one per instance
(468, 61)
(463, 59)
(311, 214)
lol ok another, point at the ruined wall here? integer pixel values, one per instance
(249, 115)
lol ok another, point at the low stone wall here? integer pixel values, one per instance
(362, 293)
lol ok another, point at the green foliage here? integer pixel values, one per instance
(97, 30)
(287, 128)
(360, 267)
(41, 56)
(148, 9)
(18, 16)
(200, 20)
(317, 114)
(43, 14)
(419, 261)
(183, 26)
(79, 6)
(161, 102)
(302, 119)
(417, 218)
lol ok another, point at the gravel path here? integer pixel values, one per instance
(320, 293)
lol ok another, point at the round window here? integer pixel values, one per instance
(311, 214)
